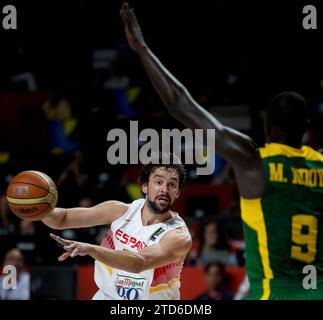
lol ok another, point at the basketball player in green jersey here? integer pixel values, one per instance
(281, 184)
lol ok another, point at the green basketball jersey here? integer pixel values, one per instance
(284, 228)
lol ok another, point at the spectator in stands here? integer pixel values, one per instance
(118, 85)
(15, 258)
(231, 217)
(27, 228)
(8, 221)
(74, 182)
(216, 290)
(74, 167)
(61, 122)
(192, 256)
(215, 246)
(4, 212)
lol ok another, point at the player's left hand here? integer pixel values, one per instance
(132, 27)
(73, 248)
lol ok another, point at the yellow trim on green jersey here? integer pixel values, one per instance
(278, 149)
(252, 215)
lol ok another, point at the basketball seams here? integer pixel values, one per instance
(32, 184)
(40, 195)
(50, 184)
(39, 174)
(33, 174)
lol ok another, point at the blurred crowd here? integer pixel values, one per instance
(58, 133)
(60, 127)
(62, 132)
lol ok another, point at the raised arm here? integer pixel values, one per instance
(230, 144)
(101, 214)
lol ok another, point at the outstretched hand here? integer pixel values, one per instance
(132, 27)
(73, 248)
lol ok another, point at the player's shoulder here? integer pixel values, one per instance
(312, 154)
(115, 208)
(117, 204)
(181, 236)
(278, 149)
(124, 206)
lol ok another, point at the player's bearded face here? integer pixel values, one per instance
(160, 204)
(162, 190)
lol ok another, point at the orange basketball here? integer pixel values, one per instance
(31, 195)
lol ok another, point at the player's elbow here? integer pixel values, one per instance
(54, 220)
(56, 226)
(60, 219)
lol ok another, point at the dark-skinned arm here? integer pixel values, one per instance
(235, 147)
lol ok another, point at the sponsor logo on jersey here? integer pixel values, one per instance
(130, 288)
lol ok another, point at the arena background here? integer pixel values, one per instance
(67, 76)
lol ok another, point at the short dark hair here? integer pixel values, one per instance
(166, 160)
(288, 112)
